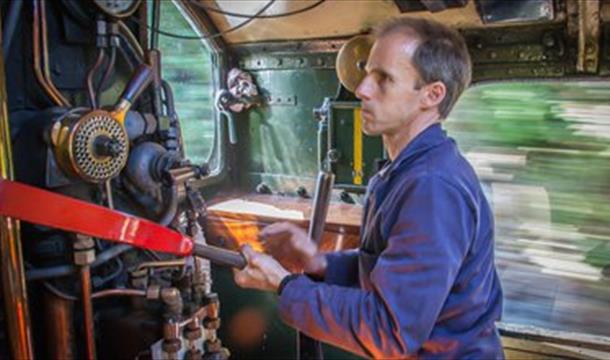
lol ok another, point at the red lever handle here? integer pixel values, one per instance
(46, 208)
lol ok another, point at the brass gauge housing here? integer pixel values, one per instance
(93, 146)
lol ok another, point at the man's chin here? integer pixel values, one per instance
(369, 130)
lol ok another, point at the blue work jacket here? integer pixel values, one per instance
(423, 283)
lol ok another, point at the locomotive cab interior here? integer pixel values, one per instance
(215, 118)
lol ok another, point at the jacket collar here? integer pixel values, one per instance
(431, 137)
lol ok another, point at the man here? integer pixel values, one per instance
(423, 282)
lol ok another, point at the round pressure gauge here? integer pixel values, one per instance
(117, 8)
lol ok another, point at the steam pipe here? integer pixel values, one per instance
(90, 75)
(153, 58)
(171, 112)
(161, 264)
(36, 52)
(107, 72)
(45, 55)
(131, 40)
(171, 208)
(14, 290)
(85, 276)
(117, 292)
(64, 270)
(12, 18)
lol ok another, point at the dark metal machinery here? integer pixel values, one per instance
(72, 137)
(69, 140)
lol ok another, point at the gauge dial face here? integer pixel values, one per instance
(117, 8)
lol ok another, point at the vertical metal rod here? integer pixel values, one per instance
(308, 348)
(14, 290)
(156, 16)
(85, 276)
(321, 200)
(108, 189)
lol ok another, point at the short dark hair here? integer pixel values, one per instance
(441, 55)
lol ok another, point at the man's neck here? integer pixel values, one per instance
(396, 142)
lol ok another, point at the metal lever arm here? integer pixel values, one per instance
(220, 256)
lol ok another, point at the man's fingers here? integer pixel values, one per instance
(240, 278)
(248, 252)
(276, 229)
(253, 257)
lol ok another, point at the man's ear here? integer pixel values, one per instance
(433, 94)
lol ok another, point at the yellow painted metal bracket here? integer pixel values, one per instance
(357, 168)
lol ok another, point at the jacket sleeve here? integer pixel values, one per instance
(342, 268)
(429, 226)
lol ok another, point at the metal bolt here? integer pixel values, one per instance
(211, 323)
(193, 334)
(171, 345)
(212, 346)
(333, 155)
(193, 354)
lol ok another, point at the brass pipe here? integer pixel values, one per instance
(36, 51)
(59, 332)
(131, 39)
(85, 277)
(118, 292)
(89, 81)
(45, 54)
(161, 264)
(11, 258)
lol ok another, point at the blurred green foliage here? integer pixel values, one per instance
(563, 132)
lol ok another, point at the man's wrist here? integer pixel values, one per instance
(316, 266)
(285, 281)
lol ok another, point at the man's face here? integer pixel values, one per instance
(389, 98)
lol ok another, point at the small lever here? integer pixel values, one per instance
(138, 83)
(220, 256)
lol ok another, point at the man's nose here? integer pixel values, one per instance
(364, 89)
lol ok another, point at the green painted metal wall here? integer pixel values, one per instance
(278, 141)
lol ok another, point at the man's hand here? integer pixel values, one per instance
(262, 272)
(291, 246)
